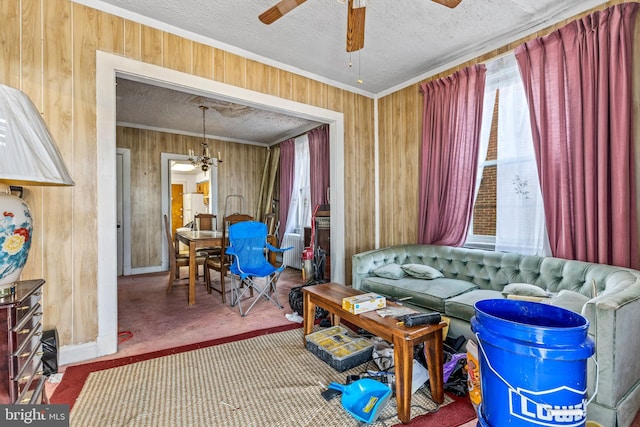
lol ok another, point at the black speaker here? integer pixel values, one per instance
(50, 352)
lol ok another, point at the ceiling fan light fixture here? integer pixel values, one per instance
(355, 17)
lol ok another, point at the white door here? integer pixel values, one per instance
(119, 222)
(123, 211)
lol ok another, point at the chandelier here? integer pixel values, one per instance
(203, 161)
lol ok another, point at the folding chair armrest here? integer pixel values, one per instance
(274, 249)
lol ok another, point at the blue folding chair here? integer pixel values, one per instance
(250, 268)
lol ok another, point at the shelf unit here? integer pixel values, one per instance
(21, 371)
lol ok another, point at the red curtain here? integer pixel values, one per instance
(452, 119)
(579, 87)
(287, 158)
(319, 158)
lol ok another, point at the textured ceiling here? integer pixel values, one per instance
(405, 40)
(146, 106)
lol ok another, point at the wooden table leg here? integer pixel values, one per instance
(308, 317)
(192, 273)
(403, 359)
(335, 319)
(433, 354)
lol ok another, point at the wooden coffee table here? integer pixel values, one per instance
(329, 296)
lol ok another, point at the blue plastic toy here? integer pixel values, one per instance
(364, 399)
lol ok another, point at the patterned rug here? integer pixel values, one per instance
(268, 380)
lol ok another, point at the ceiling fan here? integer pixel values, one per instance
(355, 18)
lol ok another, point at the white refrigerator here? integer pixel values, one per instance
(192, 204)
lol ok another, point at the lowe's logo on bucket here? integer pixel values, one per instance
(525, 404)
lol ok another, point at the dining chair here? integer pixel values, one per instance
(206, 221)
(222, 262)
(271, 220)
(178, 259)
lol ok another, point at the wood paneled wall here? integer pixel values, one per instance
(400, 138)
(239, 173)
(48, 50)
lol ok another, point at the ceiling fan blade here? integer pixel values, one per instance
(355, 27)
(279, 10)
(448, 3)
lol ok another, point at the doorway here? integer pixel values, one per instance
(108, 66)
(189, 182)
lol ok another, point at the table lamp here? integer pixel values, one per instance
(28, 156)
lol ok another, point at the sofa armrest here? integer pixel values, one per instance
(613, 317)
(363, 264)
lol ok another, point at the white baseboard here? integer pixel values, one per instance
(70, 354)
(144, 270)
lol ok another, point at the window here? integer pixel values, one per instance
(299, 215)
(508, 214)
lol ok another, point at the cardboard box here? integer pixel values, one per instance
(363, 303)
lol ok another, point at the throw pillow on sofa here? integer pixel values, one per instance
(390, 271)
(525, 291)
(421, 271)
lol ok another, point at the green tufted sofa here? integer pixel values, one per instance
(611, 297)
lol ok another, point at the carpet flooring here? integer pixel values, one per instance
(155, 324)
(266, 380)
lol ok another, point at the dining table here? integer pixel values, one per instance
(196, 240)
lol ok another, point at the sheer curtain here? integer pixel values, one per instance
(578, 84)
(452, 119)
(520, 221)
(485, 133)
(299, 214)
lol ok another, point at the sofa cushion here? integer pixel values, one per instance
(570, 300)
(390, 271)
(430, 294)
(463, 306)
(421, 271)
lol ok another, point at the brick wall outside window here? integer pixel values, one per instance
(484, 210)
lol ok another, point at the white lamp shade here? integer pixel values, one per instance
(28, 156)
(28, 152)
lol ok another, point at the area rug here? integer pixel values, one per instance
(75, 376)
(266, 380)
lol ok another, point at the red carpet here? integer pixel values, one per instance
(454, 414)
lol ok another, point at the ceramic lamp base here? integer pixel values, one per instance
(16, 228)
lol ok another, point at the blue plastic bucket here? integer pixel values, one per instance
(533, 364)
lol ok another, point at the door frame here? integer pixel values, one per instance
(108, 67)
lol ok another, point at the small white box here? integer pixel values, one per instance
(363, 303)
